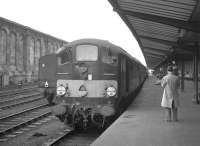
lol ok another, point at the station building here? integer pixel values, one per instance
(20, 50)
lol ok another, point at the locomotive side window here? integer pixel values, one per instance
(86, 53)
(108, 57)
(64, 57)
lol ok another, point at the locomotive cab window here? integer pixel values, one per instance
(86, 53)
(64, 57)
(108, 57)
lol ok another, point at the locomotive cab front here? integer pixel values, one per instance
(90, 81)
(86, 83)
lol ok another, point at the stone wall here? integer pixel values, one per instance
(20, 50)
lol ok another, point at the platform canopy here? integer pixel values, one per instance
(163, 28)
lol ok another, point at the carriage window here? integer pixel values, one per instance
(108, 57)
(86, 53)
(64, 57)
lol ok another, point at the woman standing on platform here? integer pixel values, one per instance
(170, 99)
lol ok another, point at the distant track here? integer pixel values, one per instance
(22, 112)
(16, 91)
(17, 103)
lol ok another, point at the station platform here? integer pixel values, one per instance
(142, 124)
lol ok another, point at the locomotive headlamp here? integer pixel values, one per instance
(60, 90)
(111, 91)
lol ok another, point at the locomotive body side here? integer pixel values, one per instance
(131, 78)
(47, 76)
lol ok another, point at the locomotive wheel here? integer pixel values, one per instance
(98, 119)
(61, 117)
(49, 97)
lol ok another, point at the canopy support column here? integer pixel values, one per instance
(182, 75)
(196, 58)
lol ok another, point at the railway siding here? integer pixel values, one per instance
(42, 135)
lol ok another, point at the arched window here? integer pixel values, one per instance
(12, 47)
(3, 44)
(30, 54)
(43, 49)
(32, 45)
(57, 46)
(50, 48)
(37, 54)
(54, 48)
(19, 54)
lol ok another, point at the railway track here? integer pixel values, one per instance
(5, 99)
(70, 137)
(11, 92)
(13, 103)
(14, 122)
(21, 109)
(20, 100)
(19, 118)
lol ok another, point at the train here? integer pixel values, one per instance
(87, 82)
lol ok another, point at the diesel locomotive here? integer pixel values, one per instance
(89, 81)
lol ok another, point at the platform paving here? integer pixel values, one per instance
(142, 124)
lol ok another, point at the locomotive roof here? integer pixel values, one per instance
(100, 43)
(94, 41)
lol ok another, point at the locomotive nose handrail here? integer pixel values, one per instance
(79, 63)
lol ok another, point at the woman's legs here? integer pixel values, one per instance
(175, 114)
(168, 114)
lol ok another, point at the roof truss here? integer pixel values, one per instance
(190, 26)
(155, 54)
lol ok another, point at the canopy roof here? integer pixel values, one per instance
(163, 28)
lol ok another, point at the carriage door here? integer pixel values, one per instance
(123, 75)
(1, 80)
(140, 78)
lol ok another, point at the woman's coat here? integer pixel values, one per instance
(170, 83)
